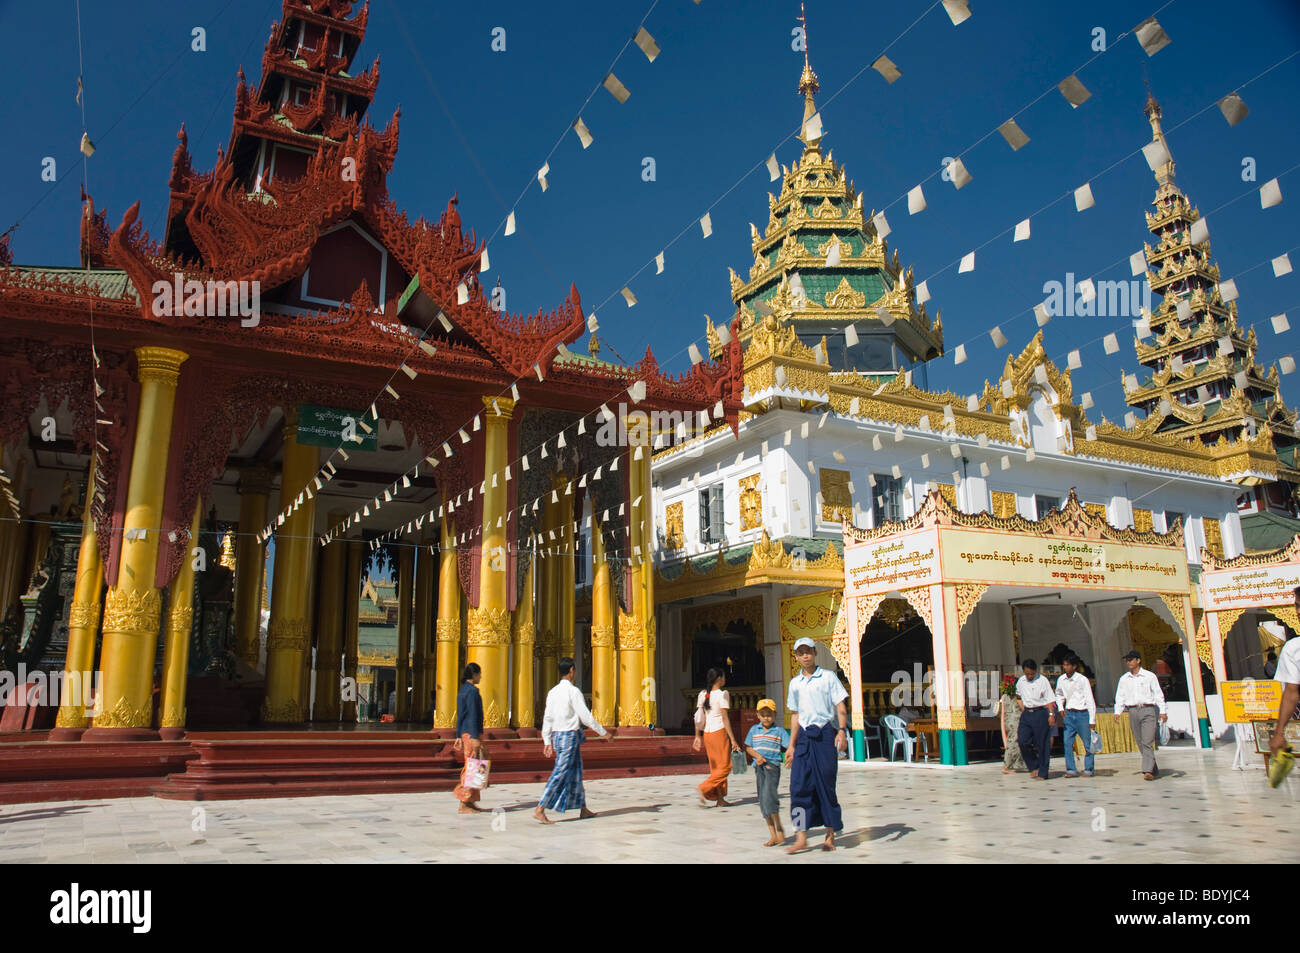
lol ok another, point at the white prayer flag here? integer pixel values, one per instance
(1286, 364)
(724, 334)
(483, 262)
(462, 293)
(967, 263)
(647, 43)
(1022, 231)
(958, 11)
(851, 336)
(1281, 266)
(636, 392)
(1075, 92)
(1086, 400)
(1041, 314)
(957, 172)
(915, 201)
(998, 337)
(1090, 433)
(896, 471)
(923, 292)
(1156, 154)
(615, 88)
(1228, 290)
(1184, 310)
(1280, 323)
(1087, 290)
(1233, 109)
(542, 173)
(1137, 263)
(1151, 36)
(882, 225)
(773, 169)
(510, 224)
(1013, 134)
(1225, 344)
(876, 446)
(1200, 231)
(886, 68)
(1110, 343)
(885, 317)
(694, 352)
(1083, 197)
(1008, 389)
(1073, 361)
(984, 468)
(706, 225)
(812, 129)
(972, 402)
(959, 355)
(584, 134)
(659, 263)
(1270, 194)
(833, 256)
(628, 296)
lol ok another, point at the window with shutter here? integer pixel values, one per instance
(1045, 504)
(717, 517)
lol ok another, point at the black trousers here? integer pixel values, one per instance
(1035, 737)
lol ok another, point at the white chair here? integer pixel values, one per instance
(896, 732)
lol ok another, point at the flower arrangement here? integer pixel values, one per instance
(1009, 686)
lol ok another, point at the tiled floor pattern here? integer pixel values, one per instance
(1199, 811)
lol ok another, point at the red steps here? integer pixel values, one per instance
(32, 771)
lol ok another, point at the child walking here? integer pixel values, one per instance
(764, 744)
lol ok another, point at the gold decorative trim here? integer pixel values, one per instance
(867, 608)
(448, 630)
(837, 501)
(674, 527)
(602, 636)
(444, 719)
(84, 615)
(490, 404)
(71, 716)
(919, 599)
(288, 712)
(952, 719)
(488, 627)
(174, 716)
(1205, 654)
(968, 597)
(751, 502)
(122, 715)
(525, 634)
(132, 611)
(159, 364)
(1285, 614)
(631, 637)
(1227, 619)
(634, 717)
(181, 619)
(1290, 553)
(651, 634)
(493, 717)
(1175, 602)
(287, 635)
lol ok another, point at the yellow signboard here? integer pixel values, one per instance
(1251, 587)
(1250, 700)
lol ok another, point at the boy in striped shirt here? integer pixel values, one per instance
(764, 743)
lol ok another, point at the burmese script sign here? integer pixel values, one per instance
(959, 554)
(1249, 587)
(1250, 700)
(896, 562)
(330, 427)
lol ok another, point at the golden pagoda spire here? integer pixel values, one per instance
(808, 84)
(1165, 174)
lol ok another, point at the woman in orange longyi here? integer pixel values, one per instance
(712, 722)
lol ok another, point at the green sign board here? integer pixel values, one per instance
(329, 427)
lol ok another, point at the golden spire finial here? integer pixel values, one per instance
(1166, 171)
(808, 84)
(593, 346)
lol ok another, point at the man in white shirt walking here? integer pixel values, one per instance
(1037, 721)
(1138, 693)
(1079, 710)
(1288, 673)
(566, 713)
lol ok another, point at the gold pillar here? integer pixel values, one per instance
(549, 607)
(405, 575)
(329, 621)
(134, 604)
(643, 579)
(288, 637)
(521, 689)
(633, 698)
(83, 627)
(447, 671)
(565, 588)
(422, 668)
(176, 645)
(351, 611)
(250, 562)
(489, 623)
(604, 666)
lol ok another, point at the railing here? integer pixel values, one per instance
(742, 696)
(876, 698)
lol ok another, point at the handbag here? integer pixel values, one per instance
(699, 713)
(476, 773)
(738, 762)
(1163, 734)
(1094, 743)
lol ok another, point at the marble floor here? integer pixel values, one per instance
(1198, 811)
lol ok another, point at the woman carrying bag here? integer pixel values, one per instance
(469, 731)
(712, 722)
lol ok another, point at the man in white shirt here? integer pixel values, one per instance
(1035, 734)
(818, 730)
(1288, 673)
(566, 713)
(1079, 711)
(1138, 693)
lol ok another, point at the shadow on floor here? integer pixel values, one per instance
(43, 814)
(891, 832)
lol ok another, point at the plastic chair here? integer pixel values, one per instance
(896, 729)
(871, 733)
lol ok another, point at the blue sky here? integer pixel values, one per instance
(709, 110)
